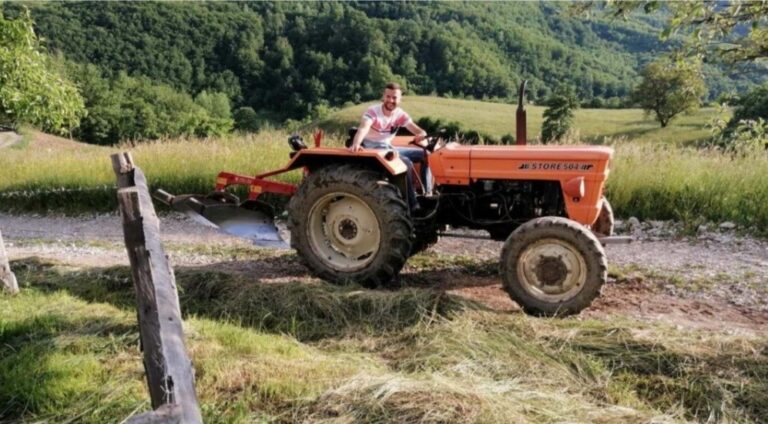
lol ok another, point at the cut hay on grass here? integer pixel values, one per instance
(308, 311)
(304, 351)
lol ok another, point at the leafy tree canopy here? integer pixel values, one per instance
(31, 91)
(733, 31)
(670, 88)
(124, 108)
(753, 105)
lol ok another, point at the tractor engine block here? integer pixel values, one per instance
(500, 206)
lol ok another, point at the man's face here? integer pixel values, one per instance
(391, 99)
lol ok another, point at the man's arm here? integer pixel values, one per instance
(419, 134)
(362, 131)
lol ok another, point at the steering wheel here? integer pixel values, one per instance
(432, 142)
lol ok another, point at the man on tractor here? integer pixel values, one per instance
(378, 127)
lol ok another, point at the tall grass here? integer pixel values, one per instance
(83, 181)
(664, 182)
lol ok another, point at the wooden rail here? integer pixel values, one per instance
(6, 276)
(170, 375)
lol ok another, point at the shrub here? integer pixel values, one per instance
(246, 119)
(559, 115)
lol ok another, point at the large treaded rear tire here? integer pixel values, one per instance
(349, 225)
(553, 266)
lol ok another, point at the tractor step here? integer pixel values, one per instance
(603, 240)
(465, 236)
(615, 240)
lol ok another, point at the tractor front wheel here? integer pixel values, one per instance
(553, 266)
(604, 224)
(349, 225)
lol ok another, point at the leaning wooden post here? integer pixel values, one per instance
(6, 276)
(170, 376)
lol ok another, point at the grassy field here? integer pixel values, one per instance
(497, 119)
(308, 351)
(689, 185)
(76, 178)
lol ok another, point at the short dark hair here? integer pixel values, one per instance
(393, 86)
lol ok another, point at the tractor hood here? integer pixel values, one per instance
(459, 164)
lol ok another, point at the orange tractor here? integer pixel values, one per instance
(349, 220)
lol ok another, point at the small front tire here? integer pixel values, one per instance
(553, 266)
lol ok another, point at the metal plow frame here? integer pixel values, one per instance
(252, 219)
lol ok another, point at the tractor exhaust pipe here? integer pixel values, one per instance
(520, 116)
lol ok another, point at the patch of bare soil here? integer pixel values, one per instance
(45, 141)
(714, 281)
(639, 301)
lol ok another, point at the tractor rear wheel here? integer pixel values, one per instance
(603, 226)
(348, 225)
(553, 266)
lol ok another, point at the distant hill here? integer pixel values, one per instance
(294, 59)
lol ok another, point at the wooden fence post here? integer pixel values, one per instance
(6, 276)
(170, 375)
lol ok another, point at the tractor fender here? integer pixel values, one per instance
(387, 161)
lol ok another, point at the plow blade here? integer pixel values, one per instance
(251, 220)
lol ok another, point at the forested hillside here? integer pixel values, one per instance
(149, 69)
(292, 58)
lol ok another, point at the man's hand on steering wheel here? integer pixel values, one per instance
(425, 141)
(419, 140)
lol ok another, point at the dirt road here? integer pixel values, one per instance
(714, 280)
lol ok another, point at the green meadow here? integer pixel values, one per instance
(498, 119)
(657, 173)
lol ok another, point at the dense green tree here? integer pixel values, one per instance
(124, 108)
(216, 104)
(31, 90)
(752, 106)
(670, 88)
(749, 120)
(558, 117)
(246, 119)
(292, 57)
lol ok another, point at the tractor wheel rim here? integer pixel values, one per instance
(552, 270)
(344, 231)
